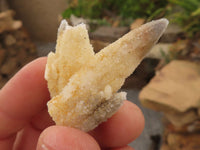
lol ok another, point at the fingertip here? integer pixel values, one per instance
(27, 89)
(22, 97)
(122, 128)
(65, 138)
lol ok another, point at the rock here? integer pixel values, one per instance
(108, 34)
(7, 23)
(181, 119)
(32, 51)
(16, 25)
(181, 138)
(158, 50)
(8, 67)
(199, 111)
(21, 35)
(98, 45)
(16, 48)
(165, 147)
(194, 127)
(195, 52)
(2, 56)
(21, 56)
(171, 34)
(30, 48)
(175, 88)
(11, 51)
(183, 141)
(9, 40)
(137, 23)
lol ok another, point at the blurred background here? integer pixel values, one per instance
(165, 85)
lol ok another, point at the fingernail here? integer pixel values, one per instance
(44, 147)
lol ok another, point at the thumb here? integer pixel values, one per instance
(65, 138)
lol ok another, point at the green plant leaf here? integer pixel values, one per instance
(196, 12)
(156, 13)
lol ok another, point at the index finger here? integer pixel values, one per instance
(22, 97)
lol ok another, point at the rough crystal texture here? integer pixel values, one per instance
(82, 84)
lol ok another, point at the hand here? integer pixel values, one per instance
(26, 125)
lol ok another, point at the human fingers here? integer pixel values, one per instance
(129, 117)
(66, 138)
(21, 98)
(27, 138)
(7, 144)
(42, 120)
(122, 128)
